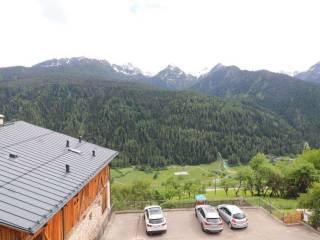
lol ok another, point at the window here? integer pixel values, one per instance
(202, 212)
(156, 221)
(155, 211)
(223, 210)
(213, 220)
(227, 211)
(239, 216)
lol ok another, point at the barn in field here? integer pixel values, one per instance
(52, 186)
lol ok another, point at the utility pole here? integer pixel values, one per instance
(215, 184)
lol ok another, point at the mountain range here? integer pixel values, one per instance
(311, 75)
(171, 77)
(295, 99)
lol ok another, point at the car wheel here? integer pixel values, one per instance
(230, 225)
(195, 213)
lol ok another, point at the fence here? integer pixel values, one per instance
(139, 205)
(288, 216)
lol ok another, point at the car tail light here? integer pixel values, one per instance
(233, 221)
(149, 225)
(163, 224)
(206, 223)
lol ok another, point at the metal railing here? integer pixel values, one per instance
(139, 205)
(281, 214)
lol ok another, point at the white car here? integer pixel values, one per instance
(209, 218)
(233, 215)
(154, 220)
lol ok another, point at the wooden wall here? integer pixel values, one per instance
(8, 234)
(61, 225)
(80, 203)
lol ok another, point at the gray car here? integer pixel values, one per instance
(208, 218)
(233, 215)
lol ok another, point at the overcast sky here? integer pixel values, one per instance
(279, 35)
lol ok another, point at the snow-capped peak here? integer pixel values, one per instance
(290, 73)
(315, 68)
(219, 66)
(172, 67)
(202, 72)
(127, 69)
(70, 61)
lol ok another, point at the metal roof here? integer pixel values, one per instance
(34, 184)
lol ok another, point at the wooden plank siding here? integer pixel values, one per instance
(61, 225)
(54, 228)
(8, 234)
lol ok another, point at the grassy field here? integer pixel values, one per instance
(202, 173)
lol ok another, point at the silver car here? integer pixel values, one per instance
(154, 220)
(209, 218)
(233, 215)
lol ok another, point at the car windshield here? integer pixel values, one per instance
(213, 220)
(153, 211)
(156, 221)
(239, 216)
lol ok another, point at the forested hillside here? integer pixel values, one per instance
(296, 101)
(151, 127)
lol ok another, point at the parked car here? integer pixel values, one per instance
(209, 218)
(233, 215)
(154, 220)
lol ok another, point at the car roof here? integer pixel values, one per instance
(210, 211)
(156, 215)
(152, 206)
(232, 208)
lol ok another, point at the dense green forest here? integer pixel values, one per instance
(151, 127)
(296, 101)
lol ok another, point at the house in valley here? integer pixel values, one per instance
(52, 186)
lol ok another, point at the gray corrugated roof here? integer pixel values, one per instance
(35, 185)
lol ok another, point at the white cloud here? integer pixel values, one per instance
(193, 34)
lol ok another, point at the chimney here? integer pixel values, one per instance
(67, 168)
(93, 153)
(11, 155)
(1, 120)
(68, 143)
(80, 139)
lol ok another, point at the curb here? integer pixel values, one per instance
(309, 227)
(107, 227)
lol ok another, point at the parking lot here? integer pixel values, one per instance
(183, 225)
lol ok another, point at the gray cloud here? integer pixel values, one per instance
(52, 10)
